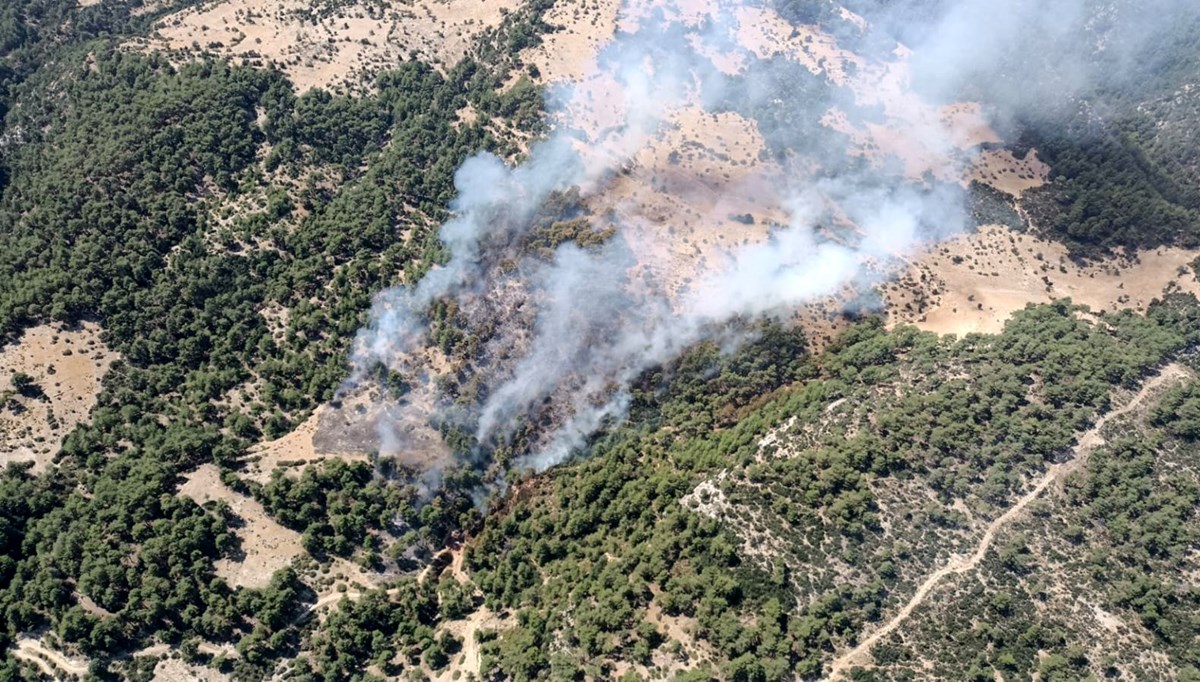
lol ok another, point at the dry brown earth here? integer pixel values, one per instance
(175, 670)
(974, 282)
(68, 365)
(266, 546)
(323, 49)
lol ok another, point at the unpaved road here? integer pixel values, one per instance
(861, 655)
(51, 662)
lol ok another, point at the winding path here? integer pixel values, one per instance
(51, 662)
(860, 655)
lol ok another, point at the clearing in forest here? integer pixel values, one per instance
(321, 45)
(974, 282)
(60, 371)
(266, 546)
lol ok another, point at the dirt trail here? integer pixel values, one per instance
(861, 654)
(51, 662)
(329, 599)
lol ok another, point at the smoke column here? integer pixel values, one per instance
(575, 329)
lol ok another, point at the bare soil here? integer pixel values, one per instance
(266, 546)
(469, 661)
(345, 431)
(323, 49)
(51, 662)
(68, 365)
(175, 670)
(974, 282)
(1001, 169)
(292, 450)
(567, 54)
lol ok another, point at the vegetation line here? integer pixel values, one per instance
(860, 654)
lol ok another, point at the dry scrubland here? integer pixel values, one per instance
(1052, 573)
(700, 178)
(265, 547)
(66, 366)
(974, 282)
(294, 450)
(327, 44)
(961, 554)
(706, 179)
(955, 574)
(175, 670)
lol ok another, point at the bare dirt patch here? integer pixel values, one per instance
(703, 183)
(294, 449)
(1001, 169)
(331, 432)
(266, 546)
(974, 282)
(682, 629)
(66, 366)
(584, 28)
(469, 661)
(319, 45)
(693, 191)
(175, 670)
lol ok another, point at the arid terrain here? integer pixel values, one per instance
(265, 546)
(974, 282)
(329, 46)
(706, 179)
(67, 367)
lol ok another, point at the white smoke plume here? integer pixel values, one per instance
(575, 329)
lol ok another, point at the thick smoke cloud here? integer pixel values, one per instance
(1030, 57)
(572, 331)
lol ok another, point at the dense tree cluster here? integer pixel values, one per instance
(581, 562)
(336, 506)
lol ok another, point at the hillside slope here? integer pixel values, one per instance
(692, 340)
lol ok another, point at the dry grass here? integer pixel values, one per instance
(54, 664)
(1001, 169)
(568, 54)
(293, 450)
(266, 546)
(175, 670)
(68, 365)
(703, 185)
(469, 660)
(974, 282)
(342, 47)
(700, 181)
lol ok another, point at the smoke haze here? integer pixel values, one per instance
(849, 161)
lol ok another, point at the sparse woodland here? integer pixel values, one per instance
(757, 511)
